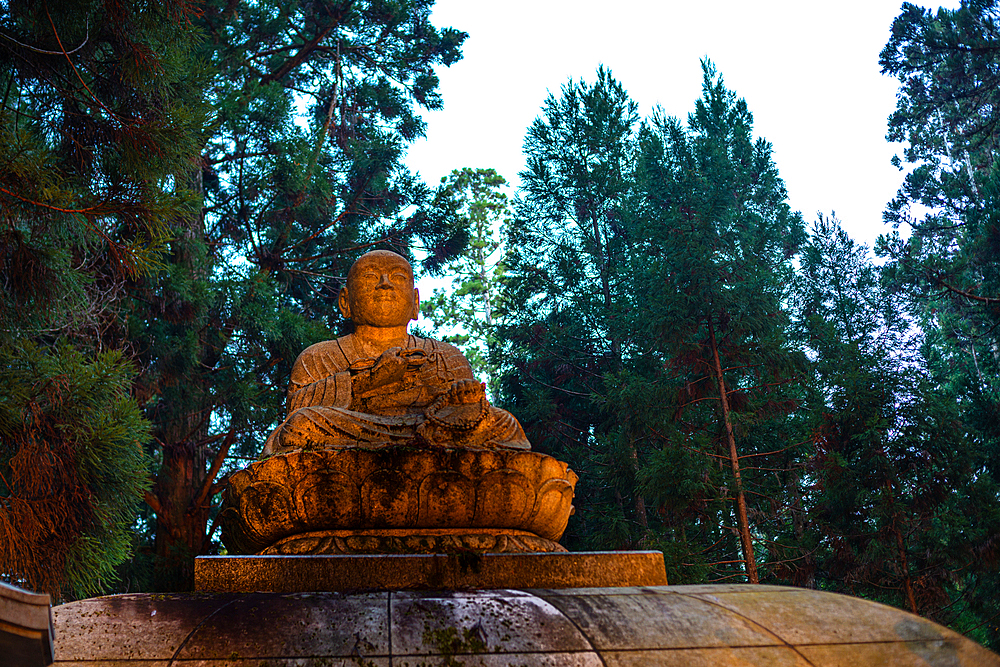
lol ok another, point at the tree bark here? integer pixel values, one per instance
(741, 504)
(181, 428)
(905, 562)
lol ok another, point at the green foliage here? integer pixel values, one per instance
(190, 187)
(897, 475)
(93, 130)
(299, 172)
(944, 258)
(949, 266)
(72, 467)
(712, 271)
(560, 336)
(466, 310)
(628, 246)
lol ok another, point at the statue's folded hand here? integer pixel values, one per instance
(463, 407)
(391, 367)
(466, 392)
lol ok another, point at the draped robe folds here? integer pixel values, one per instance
(323, 411)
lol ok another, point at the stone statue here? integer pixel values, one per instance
(382, 386)
(390, 446)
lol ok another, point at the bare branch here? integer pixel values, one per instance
(51, 53)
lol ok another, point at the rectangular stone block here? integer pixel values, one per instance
(288, 574)
(25, 627)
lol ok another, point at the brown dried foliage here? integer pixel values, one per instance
(45, 504)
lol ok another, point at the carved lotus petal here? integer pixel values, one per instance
(552, 509)
(396, 488)
(447, 498)
(266, 504)
(504, 498)
(328, 499)
(388, 499)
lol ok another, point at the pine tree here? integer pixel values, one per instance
(92, 132)
(711, 271)
(477, 198)
(895, 511)
(566, 284)
(949, 265)
(943, 254)
(72, 467)
(299, 173)
(189, 187)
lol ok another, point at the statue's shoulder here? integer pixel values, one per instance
(448, 355)
(323, 359)
(326, 348)
(433, 345)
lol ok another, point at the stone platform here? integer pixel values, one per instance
(600, 627)
(25, 627)
(289, 574)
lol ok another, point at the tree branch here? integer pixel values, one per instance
(220, 456)
(968, 295)
(297, 59)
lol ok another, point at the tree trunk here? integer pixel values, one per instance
(181, 424)
(741, 504)
(640, 502)
(905, 562)
(901, 552)
(180, 526)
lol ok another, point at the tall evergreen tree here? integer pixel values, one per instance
(895, 511)
(566, 286)
(242, 153)
(300, 172)
(645, 338)
(93, 130)
(944, 254)
(711, 271)
(949, 263)
(477, 199)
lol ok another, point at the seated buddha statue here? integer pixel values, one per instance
(382, 386)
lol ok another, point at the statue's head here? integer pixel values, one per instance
(380, 291)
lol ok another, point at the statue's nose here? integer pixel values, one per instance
(384, 282)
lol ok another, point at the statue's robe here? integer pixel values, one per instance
(323, 411)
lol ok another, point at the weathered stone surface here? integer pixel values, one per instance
(676, 625)
(133, 627)
(345, 573)
(411, 541)
(316, 624)
(432, 624)
(609, 619)
(25, 627)
(397, 487)
(818, 617)
(737, 656)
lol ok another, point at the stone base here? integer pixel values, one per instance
(411, 541)
(25, 627)
(722, 625)
(290, 574)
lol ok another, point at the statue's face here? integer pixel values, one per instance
(380, 291)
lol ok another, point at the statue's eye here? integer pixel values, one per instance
(400, 277)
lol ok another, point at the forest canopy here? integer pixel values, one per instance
(183, 187)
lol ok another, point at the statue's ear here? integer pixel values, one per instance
(344, 303)
(416, 304)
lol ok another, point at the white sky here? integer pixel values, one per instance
(808, 70)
